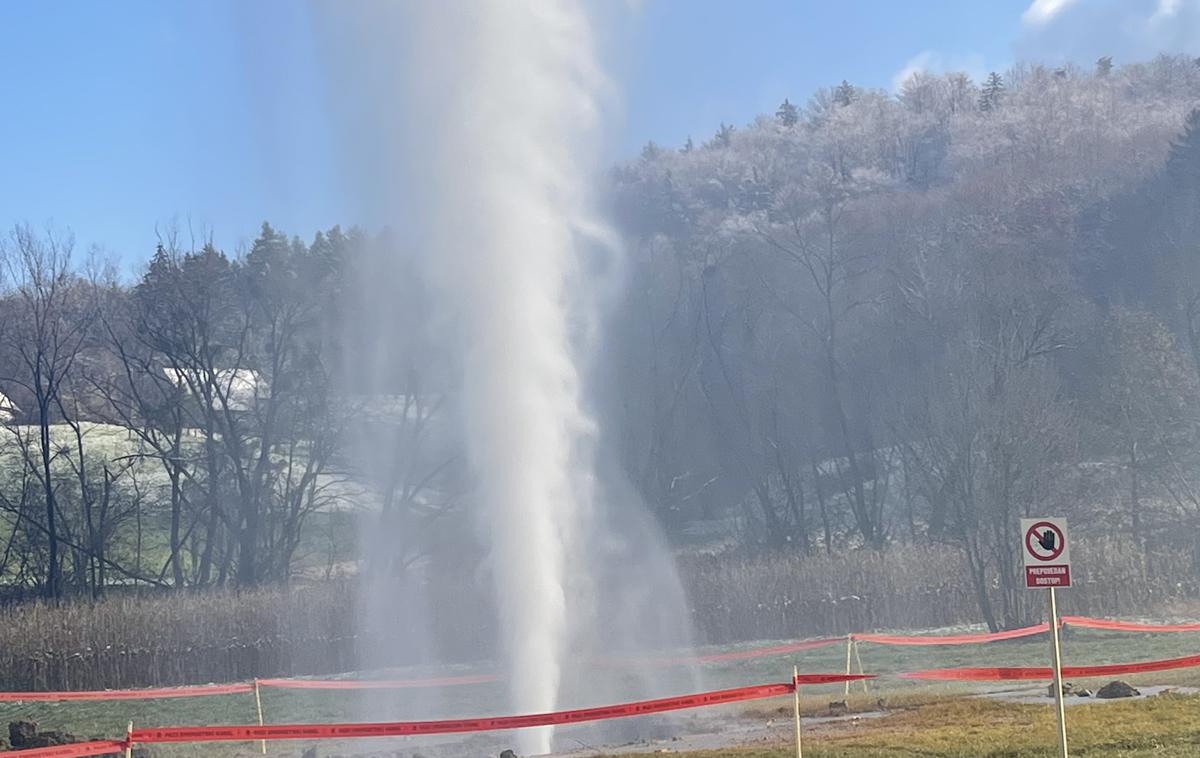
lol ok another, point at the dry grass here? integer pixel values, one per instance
(138, 640)
(1168, 725)
(787, 595)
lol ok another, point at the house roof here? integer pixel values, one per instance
(7, 405)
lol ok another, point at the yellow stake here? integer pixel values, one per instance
(849, 649)
(796, 702)
(258, 703)
(1058, 685)
(860, 666)
(129, 741)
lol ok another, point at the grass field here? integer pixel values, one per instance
(922, 718)
(327, 539)
(1166, 725)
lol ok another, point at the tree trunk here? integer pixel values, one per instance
(775, 535)
(176, 518)
(979, 580)
(794, 492)
(816, 471)
(210, 497)
(1135, 496)
(862, 513)
(53, 587)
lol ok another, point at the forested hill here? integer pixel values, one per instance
(874, 318)
(860, 322)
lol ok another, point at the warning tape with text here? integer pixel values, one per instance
(1005, 673)
(74, 750)
(487, 723)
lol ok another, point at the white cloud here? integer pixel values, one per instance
(1165, 10)
(936, 63)
(1128, 30)
(1042, 12)
(925, 60)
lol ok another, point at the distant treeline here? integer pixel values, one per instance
(882, 319)
(870, 322)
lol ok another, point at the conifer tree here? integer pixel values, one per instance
(724, 136)
(993, 90)
(788, 114)
(845, 94)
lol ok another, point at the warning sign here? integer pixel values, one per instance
(1047, 552)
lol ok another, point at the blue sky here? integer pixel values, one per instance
(120, 117)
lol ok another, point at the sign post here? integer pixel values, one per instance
(1048, 566)
(796, 703)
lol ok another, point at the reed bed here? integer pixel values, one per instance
(141, 640)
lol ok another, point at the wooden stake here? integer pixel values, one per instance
(849, 649)
(796, 703)
(258, 704)
(860, 666)
(1058, 684)
(129, 741)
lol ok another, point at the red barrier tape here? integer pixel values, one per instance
(77, 750)
(1127, 626)
(952, 639)
(375, 684)
(1005, 673)
(199, 690)
(445, 726)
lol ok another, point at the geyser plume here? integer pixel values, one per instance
(510, 199)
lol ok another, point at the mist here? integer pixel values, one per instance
(497, 418)
(520, 267)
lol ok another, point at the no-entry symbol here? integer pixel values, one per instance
(1044, 541)
(1047, 553)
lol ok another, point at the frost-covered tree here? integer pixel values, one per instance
(845, 93)
(992, 92)
(787, 114)
(723, 138)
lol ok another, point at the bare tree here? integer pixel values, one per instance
(812, 225)
(48, 318)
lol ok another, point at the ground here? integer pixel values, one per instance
(915, 719)
(1165, 725)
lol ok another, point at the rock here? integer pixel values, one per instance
(21, 732)
(52, 738)
(1117, 689)
(24, 734)
(508, 754)
(1068, 689)
(310, 752)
